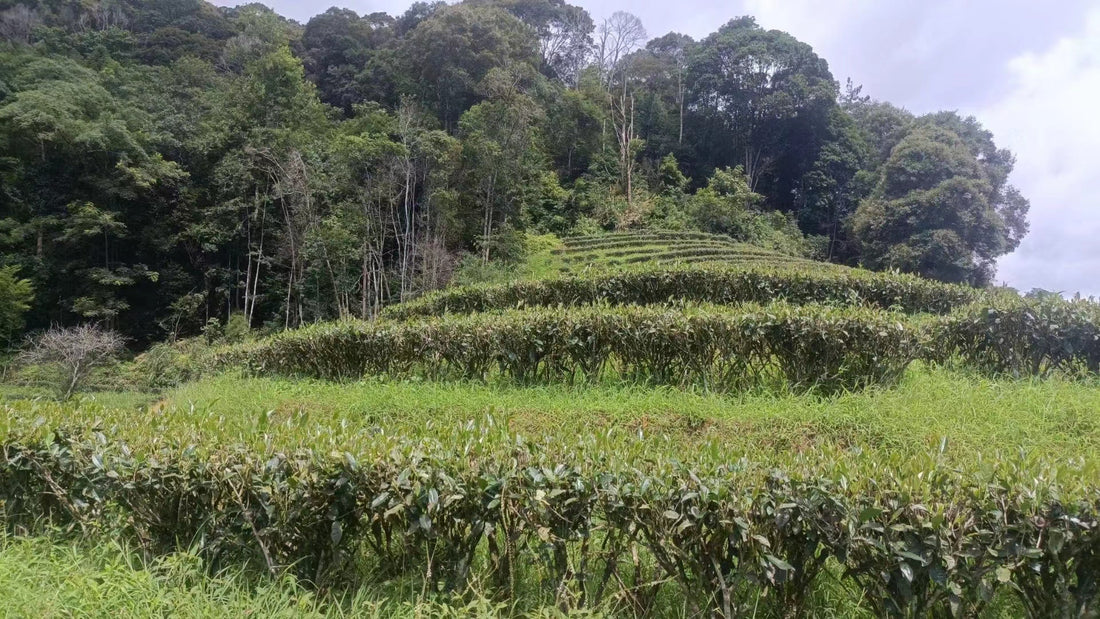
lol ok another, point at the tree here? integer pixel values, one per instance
(81, 168)
(564, 35)
(762, 99)
(571, 132)
(935, 212)
(500, 156)
(724, 205)
(618, 36)
(15, 299)
(450, 52)
(73, 353)
(881, 124)
(339, 46)
(668, 73)
(830, 192)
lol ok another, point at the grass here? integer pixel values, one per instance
(974, 415)
(43, 578)
(931, 410)
(48, 577)
(105, 398)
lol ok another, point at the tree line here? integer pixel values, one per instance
(168, 163)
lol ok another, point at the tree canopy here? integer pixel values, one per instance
(168, 163)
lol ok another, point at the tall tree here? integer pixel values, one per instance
(450, 53)
(339, 46)
(564, 34)
(501, 159)
(935, 211)
(761, 98)
(617, 38)
(81, 169)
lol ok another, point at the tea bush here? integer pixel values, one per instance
(713, 284)
(592, 528)
(810, 347)
(1015, 336)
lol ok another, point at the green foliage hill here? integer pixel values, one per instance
(163, 164)
(506, 311)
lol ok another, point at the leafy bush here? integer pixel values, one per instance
(812, 347)
(591, 528)
(15, 299)
(713, 284)
(1015, 336)
(170, 364)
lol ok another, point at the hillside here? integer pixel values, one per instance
(292, 173)
(623, 249)
(864, 444)
(502, 308)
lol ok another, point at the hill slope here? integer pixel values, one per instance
(664, 247)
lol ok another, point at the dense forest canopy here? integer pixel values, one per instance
(165, 163)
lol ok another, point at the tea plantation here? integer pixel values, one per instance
(671, 425)
(663, 248)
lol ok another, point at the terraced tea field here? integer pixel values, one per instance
(609, 251)
(684, 426)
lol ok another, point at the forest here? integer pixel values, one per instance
(166, 165)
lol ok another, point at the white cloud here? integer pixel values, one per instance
(1048, 118)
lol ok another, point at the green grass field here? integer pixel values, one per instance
(46, 577)
(974, 415)
(931, 410)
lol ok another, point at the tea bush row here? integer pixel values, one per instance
(809, 347)
(657, 250)
(1014, 336)
(578, 242)
(712, 284)
(587, 530)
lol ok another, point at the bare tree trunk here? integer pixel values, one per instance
(630, 157)
(487, 223)
(754, 166)
(259, 262)
(680, 101)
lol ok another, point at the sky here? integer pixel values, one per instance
(1029, 71)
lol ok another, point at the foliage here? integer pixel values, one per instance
(938, 210)
(1026, 337)
(803, 348)
(721, 285)
(73, 353)
(764, 100)
(15, 299)
(165, 163)
(171, 364)
(590, 527)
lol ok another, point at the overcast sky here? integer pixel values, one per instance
(1029, 71)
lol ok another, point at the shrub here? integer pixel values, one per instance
(590, 528)
(170, 364)
(15, 299)
(1015, 336)
(813, 347)
(72, 354)
(713, 284)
